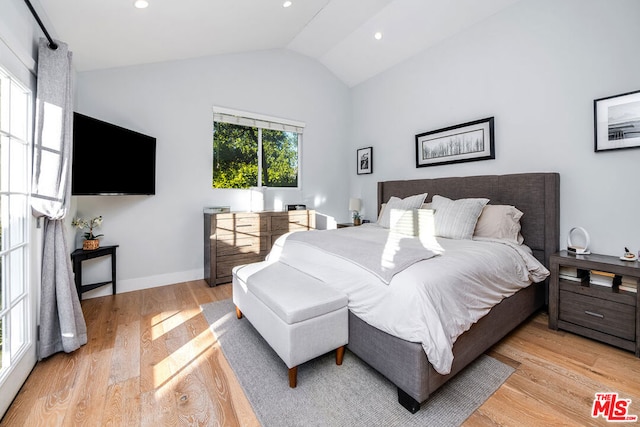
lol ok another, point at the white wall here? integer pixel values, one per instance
(161, 236)
(537, 67)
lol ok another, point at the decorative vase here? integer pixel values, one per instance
(89, 245)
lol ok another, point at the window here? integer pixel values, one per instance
(15, 306)
(255, 151)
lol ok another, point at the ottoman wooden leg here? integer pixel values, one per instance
(238, 313)
(293, 377)
(339, 355)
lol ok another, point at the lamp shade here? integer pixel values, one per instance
(354, 204)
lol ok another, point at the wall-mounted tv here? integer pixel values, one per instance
(111, 160)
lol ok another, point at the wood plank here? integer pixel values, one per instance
(88, 394)
(152, 352)
(125, 360)
(29, 409)
(122, 404)
(128, 306)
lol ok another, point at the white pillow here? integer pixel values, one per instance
(411, 202)
(500, 222)
(456, 219)
(414, 222)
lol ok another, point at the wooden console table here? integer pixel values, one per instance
(80, 255)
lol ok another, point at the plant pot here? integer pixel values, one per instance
(89, 245)
(357, 221)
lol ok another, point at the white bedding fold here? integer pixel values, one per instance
(382, 254)
(432, 301)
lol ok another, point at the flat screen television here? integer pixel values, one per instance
(111, 160)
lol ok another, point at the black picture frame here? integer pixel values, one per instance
(617, 122)
(364, 160)
(467, 142)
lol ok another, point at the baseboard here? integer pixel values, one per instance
(129, 285)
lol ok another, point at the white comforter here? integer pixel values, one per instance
(432, 301)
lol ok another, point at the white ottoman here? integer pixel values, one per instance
(299, 316)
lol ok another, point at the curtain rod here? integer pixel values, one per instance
(52, 45)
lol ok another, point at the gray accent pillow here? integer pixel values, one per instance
(456, 219)
(408, 203)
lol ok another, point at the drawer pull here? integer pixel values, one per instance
(591, 313)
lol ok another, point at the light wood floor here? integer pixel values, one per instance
(151, 361)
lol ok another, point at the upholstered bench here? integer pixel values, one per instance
(299, 316)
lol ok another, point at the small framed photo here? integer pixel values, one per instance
(617, 121)
(467, 142)
(365, 160)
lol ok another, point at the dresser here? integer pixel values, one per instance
(235, 238)
(607, 314)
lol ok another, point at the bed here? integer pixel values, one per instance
(404, 361)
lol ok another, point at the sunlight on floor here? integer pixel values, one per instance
(166, 321)
(183, 361)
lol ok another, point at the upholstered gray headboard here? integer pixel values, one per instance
(537, 195)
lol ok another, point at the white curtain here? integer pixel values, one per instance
(62, 325)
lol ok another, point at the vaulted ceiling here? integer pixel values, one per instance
(337, 33)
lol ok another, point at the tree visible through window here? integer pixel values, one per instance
(253, 153)
(279, 158)
(235, 156)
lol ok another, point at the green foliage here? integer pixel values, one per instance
(235, 157)
(279, 158)
(235, 150)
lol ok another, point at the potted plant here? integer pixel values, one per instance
(357, 220)
(91, 240)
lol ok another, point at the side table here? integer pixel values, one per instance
(345, 225)
(604, 313)
(80, 255)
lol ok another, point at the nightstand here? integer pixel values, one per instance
(603, 313)
(346, 224)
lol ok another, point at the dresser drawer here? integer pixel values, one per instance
(291, 222)
(609, 317)
(226, 264)
(240, 224)
(242, 245)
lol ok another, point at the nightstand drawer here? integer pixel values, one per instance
(601, 315)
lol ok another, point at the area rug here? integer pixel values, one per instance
(352, 394)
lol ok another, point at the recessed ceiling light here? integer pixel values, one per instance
(287, 4)
(141, 4)
(378, 36)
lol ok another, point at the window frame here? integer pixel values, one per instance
(13, 356)
(262, 121)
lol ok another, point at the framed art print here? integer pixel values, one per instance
(617, 121)
(467, 142)
(364, 160)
